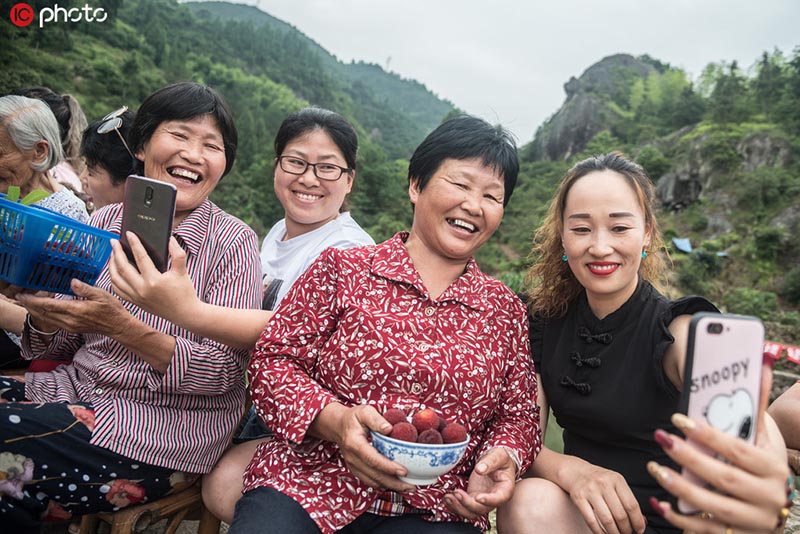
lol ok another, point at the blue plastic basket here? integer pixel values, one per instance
(44, 250)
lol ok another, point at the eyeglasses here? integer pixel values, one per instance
(322, 170)
(112, 122)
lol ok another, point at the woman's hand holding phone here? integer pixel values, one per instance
(747, 484)
(170, 295)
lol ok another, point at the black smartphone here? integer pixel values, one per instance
(722, 379)
(148, 209)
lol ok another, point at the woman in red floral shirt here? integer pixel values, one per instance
(411, 323)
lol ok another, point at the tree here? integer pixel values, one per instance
(728, 102)
(769, 82)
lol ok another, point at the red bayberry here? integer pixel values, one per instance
(442, 423)
(454, 433)
(426, 419)
(404, 431)
(430, 436)
(395, 415)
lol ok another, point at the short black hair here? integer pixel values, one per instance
(466, 137)
(184, 101)
(311, 118)
(106, 150)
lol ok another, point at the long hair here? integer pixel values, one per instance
(550, 284)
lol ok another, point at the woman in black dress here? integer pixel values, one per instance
(609, 351)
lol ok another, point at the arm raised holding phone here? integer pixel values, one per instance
(172, 296)
(749, 490)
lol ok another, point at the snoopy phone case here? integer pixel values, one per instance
(722, 378)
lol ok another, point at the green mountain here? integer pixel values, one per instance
(723, 151)
(396, 112)
(264, 67)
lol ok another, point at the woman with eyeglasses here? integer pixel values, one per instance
(410, 323)
(107, 157)
(146, 406)
(314, 171)
(30, 147)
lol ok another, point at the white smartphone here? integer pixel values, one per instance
(722, 379)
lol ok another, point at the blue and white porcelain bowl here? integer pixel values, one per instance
(424, 462)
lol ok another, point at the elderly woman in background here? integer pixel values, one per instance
(145, 405)
(71, 123)
(108, 162)
(107, 158)
(29, 148)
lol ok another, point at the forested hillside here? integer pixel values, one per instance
(723, 151)
(723, 148)
(264, 68)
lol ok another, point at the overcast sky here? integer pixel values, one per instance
(507, 60)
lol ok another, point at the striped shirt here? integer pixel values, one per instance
(182, 419)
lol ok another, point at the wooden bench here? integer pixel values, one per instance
(175, 508)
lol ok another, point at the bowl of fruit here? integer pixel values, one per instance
(427, 445)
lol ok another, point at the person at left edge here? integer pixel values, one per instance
(145, 406)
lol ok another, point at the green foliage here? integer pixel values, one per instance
(654, 161)
(748, 301)
(697, 271)
(264, 68)
(762, 191)
(720, 150)
(601, 143)
(769, 242)
(729, 99)
(791, 286)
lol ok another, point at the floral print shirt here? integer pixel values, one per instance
(359, 327)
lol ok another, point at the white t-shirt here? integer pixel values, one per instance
(284, 261)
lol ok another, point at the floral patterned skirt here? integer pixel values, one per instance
(50, 472)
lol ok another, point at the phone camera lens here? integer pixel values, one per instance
(148, 196)
(715, 328)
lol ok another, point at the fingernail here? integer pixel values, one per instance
(683, 422)
(482, 468)
(664, 439)
(656, 506)
(769, 359)
(657, 471)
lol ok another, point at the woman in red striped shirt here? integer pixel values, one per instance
(145, 405)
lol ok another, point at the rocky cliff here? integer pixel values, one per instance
(589, 107)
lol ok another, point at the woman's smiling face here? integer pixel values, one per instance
(189, 154)
(604, 234)
(307, 201)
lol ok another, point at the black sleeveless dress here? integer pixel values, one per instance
(605, 383)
